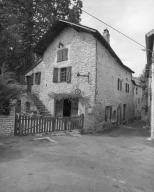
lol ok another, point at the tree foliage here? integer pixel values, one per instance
(23, 23)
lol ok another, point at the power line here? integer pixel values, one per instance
(118, 31)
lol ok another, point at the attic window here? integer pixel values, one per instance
(60, 45)
(62, 55)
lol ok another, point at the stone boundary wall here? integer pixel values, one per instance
(7, 123)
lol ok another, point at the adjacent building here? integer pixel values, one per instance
(150, 77)
(138, 98)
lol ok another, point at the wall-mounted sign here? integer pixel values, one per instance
(77, 91)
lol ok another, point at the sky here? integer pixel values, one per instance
(134, 18)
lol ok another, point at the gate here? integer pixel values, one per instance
(25, 125)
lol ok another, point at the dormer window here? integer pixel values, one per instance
(62, 55)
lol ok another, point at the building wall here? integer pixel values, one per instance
(108, 72)
(81, 56)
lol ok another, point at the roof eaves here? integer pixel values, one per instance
(33, 66)
(109, 48)
(61, 24)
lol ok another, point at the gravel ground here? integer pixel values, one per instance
(119, 161)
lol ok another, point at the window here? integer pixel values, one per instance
(62, 55)
(136, 91)
(108, 113)
(62, 75)
(37, 78)
(119, 84)
(127, 88)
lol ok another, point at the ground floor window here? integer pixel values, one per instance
(66, 107)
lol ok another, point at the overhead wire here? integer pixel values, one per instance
(118, 31)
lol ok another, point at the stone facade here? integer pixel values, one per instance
(80, 45)
(107, 94)
(7, 123)
(86, 56)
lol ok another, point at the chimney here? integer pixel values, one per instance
(106, 35)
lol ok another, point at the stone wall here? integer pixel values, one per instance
(107, 93)
(85, 54)
(7, 123)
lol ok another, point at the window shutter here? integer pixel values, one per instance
(74, 109)
(55, 75)
(59, 55)
(69, 74)
(39, 78)
(32, 78)
(118, 83)
(59, 108)
(36, 77)
(65, 54)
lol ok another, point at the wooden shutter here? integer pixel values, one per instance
(59, 55)
(55, 75)
(69, 74)
(59, 108)
(39, 78)
(74, 107)
(32, 79)
(118, 84)
(65, 54)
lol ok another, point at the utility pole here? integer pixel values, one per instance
(152, 96)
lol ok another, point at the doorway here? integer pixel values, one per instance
(67, 108)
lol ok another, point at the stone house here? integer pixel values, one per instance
(79, 73)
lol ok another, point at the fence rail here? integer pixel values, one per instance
(25, 125)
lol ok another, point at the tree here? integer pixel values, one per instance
(26, 21)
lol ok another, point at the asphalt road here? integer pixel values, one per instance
(120, 161)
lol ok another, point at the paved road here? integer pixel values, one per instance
(121, 161)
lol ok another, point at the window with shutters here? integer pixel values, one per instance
(62, 74)
(62, 55)
(37, 78)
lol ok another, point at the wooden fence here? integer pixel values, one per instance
(25, 125)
